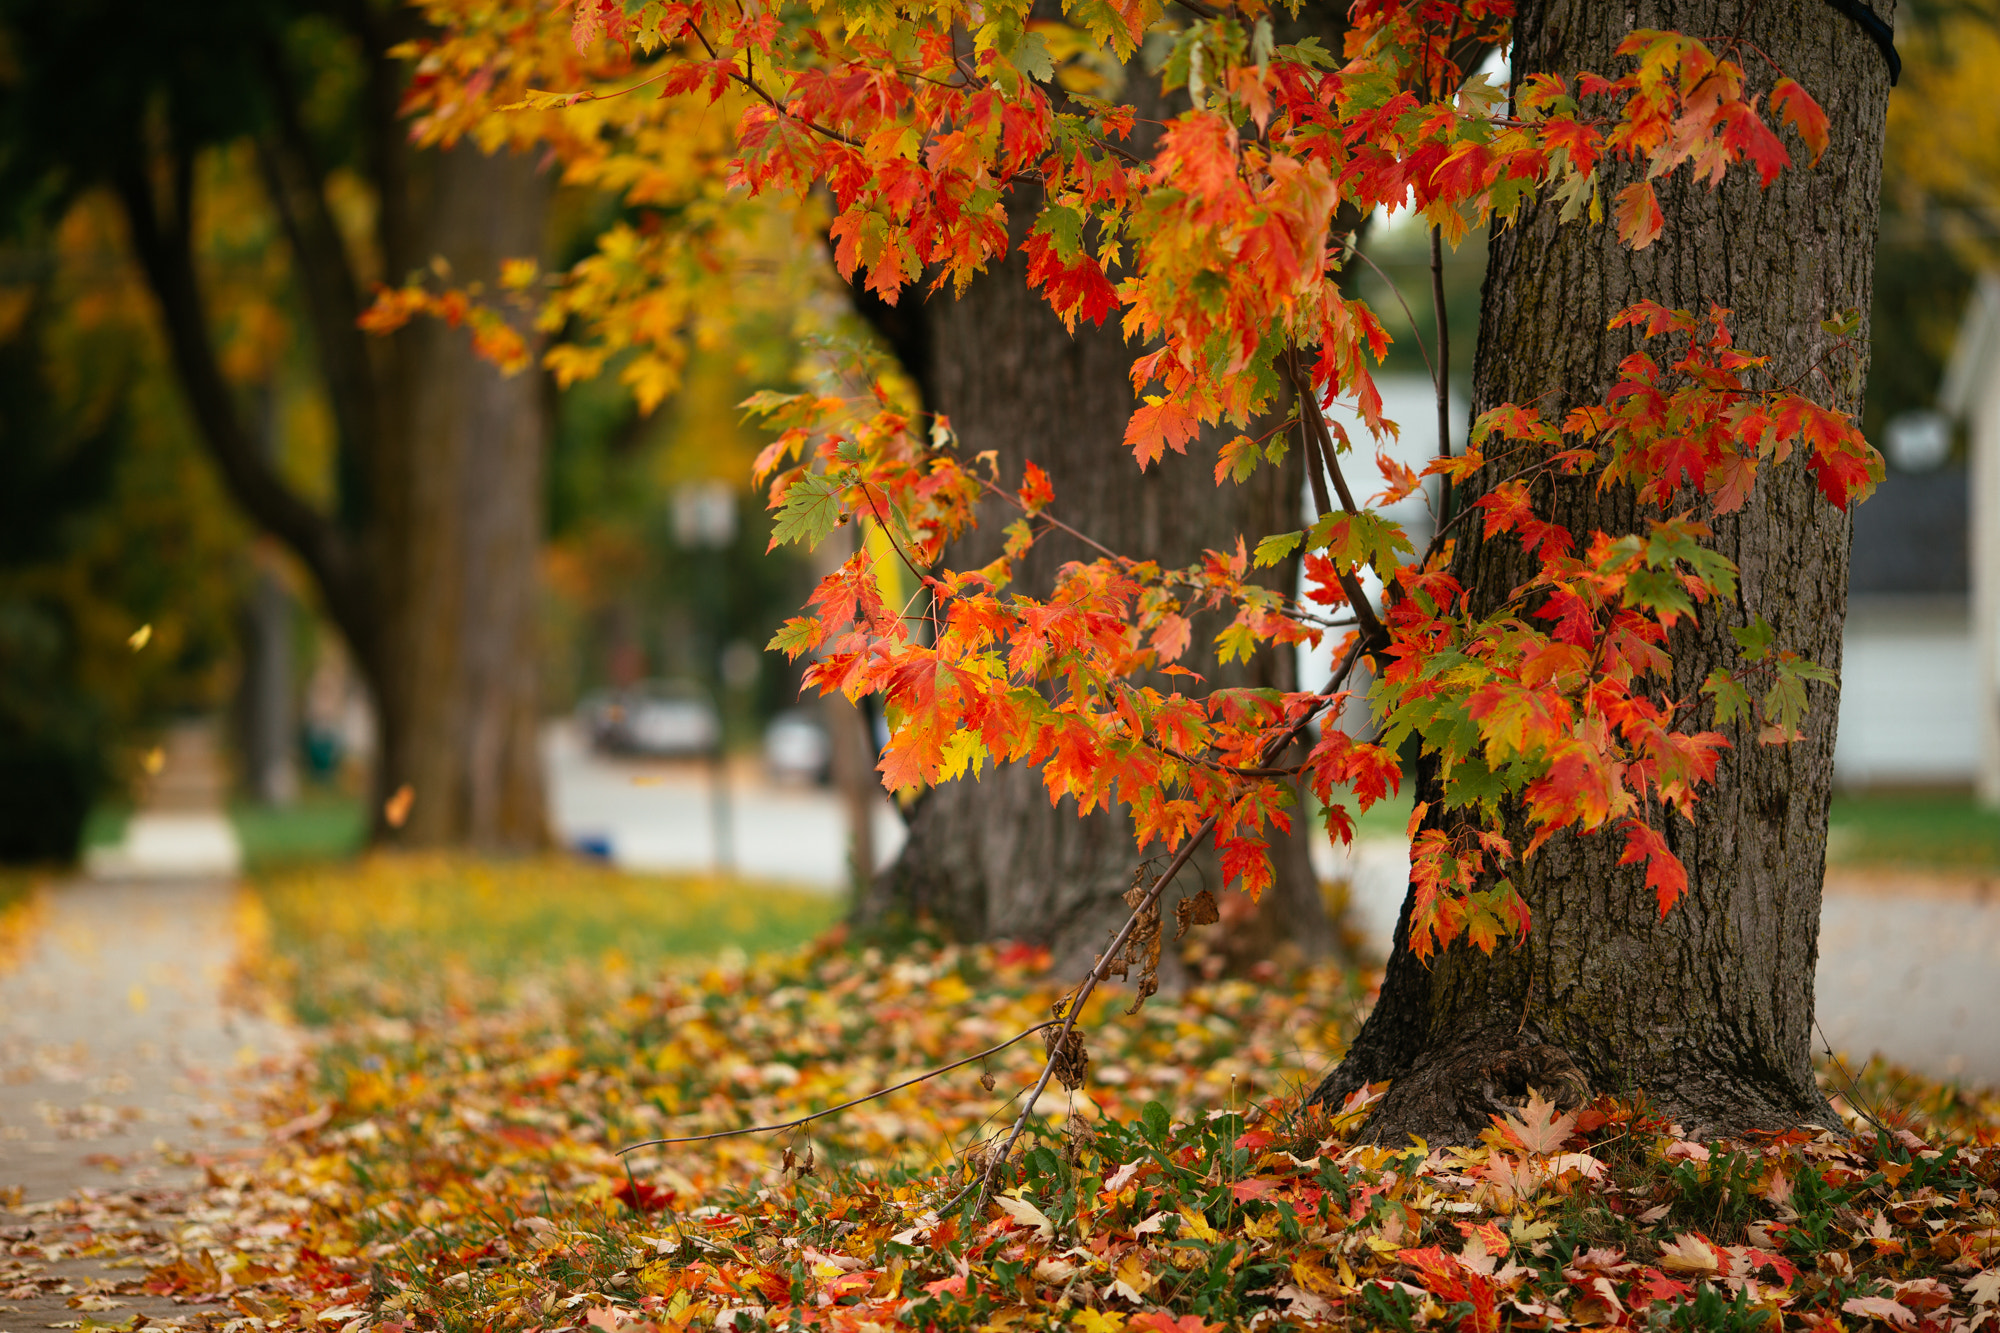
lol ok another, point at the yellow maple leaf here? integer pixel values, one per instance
(1100, 1321)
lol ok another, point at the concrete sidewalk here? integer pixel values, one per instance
(123, 1074)
(119, 1061)
(123, 1070)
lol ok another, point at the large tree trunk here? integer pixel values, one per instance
(458, 485)
(991, 858)
(1708, 1012)
(428, 566)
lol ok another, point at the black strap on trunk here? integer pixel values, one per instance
(1878, 32)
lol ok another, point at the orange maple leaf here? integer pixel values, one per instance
(1638, 214)
(1158, 424)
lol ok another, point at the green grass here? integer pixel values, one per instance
(318, 827)
(1924, 832)
(415, 936)
(104, 826)
(1919, 831)
(314, 828)
(1388, 818)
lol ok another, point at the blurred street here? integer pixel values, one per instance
(661, 815)
(1908, 962)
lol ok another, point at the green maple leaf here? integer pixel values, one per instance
(811, 510)
(1731, 699)
(1276, 547)
(798, 635)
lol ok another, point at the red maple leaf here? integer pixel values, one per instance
(641, 1197)
(1247, 860)
(1794, 106)
(1160, 423)
(1665, 875)
(1073, 287)
(1036, 492)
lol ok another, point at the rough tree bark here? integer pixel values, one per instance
(461, 504)
(429, 565)
(991, 858)
(1707, 1013)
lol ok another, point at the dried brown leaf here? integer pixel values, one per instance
(1199, 910)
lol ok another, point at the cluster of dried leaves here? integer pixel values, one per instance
(458, 1171)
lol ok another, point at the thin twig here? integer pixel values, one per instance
(1292, 605)
(1442, 377)
(1074, 1008)
(1218, 765)
(816, 1115)
(1054, 522)
(922, 581)
(768, 99)
(1320, 465)
(1853, 1084)
(1408, 314)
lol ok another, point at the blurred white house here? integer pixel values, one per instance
(1907, 692)
(1917, 697)
(1919, 704)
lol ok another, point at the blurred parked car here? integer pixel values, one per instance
(600, 712)
(796, 748)
(657, 718)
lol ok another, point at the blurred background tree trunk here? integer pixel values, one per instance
(426, 559)
(458, 485)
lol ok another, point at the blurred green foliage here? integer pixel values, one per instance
(109, 520)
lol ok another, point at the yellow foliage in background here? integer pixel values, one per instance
(1942, 156)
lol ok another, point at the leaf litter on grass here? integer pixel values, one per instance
(453, 1167)
(398, 935)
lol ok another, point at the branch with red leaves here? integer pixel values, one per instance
(1215, 249)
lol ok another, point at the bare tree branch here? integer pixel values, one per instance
(325, 272)
(164, 246)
